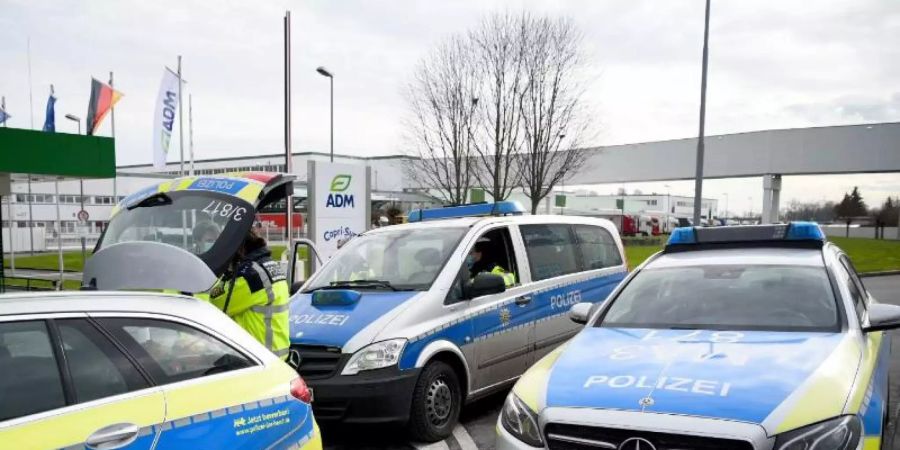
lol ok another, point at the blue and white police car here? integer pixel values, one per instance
(401, 325)
(753, 337)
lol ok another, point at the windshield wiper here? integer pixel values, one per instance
(684, 327)
(361, 283)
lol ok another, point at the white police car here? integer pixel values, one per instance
(755, 337)
(392, 330)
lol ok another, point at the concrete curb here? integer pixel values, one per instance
(880, 274)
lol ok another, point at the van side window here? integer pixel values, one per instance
(497, 255)
(551, 250)
(598, 248)
(30, 380)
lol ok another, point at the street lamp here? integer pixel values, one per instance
(726, 208)
(77, 120)
(751, 209)
(668, 204)
(325, 73)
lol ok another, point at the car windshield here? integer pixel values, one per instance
(398, 259)
(754, 297)
(193, 221)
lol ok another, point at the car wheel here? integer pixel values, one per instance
(437, 400)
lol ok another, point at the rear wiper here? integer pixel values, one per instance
(154, 200)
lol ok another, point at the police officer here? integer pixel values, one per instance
(254, 292)
(479, 262)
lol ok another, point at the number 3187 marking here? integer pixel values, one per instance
(225, 209)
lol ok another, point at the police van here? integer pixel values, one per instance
(407, 323)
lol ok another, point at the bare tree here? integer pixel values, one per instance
(554, 121)
(440, 129)
(498, 53)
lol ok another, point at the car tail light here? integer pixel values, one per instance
(300, 391)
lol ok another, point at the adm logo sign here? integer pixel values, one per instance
(337, 198)
(170, 102)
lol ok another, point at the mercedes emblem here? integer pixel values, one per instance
(636, 443)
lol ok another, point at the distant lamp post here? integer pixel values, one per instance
(726, 208)
(325, 73)
(77, 120)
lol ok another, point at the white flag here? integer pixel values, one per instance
(164, 119)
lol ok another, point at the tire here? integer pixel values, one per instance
(437, 401)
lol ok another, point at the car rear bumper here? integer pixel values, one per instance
(376, 396)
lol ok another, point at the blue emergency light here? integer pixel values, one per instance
(505, 208)
(790, 232)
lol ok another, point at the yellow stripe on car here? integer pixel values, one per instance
(231, 389)
(73, 426)
(866, 371)
(872, 443)
(532, 386)
(250, 192)
(824, 395)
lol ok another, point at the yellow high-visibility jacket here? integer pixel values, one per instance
(259, 300)
(509, 278)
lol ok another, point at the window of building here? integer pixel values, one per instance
(551, 250)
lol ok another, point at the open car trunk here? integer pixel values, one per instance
(181, 234)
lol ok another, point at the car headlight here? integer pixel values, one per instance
(842, 433)
(520, 421)
(375, 356)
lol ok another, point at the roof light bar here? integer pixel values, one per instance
(794, 231)
(504, 208)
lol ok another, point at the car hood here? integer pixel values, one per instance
(749, 376)
(336, 325)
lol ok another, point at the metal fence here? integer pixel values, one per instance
(859, 232)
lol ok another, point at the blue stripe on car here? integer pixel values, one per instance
(733, 375)
(334, 325)
(484, 324)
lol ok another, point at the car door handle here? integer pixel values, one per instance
(523, 300)
(113, 436)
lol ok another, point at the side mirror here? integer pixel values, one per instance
(581, 312)
(485, 284)
(883, 317)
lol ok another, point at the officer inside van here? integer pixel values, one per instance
(482, 259)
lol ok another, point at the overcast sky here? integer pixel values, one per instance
(773, 64)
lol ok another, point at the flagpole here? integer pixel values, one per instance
(180, 118)
(31, 118)
(30, 96)
(289, 201)
(112, 125)
(59, 238)
(9, 219)
(191, 134)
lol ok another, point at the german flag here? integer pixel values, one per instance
(103, 97)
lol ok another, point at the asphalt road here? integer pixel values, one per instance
(478, 420)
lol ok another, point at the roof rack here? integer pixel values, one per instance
(504, 208)
(789, 234)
